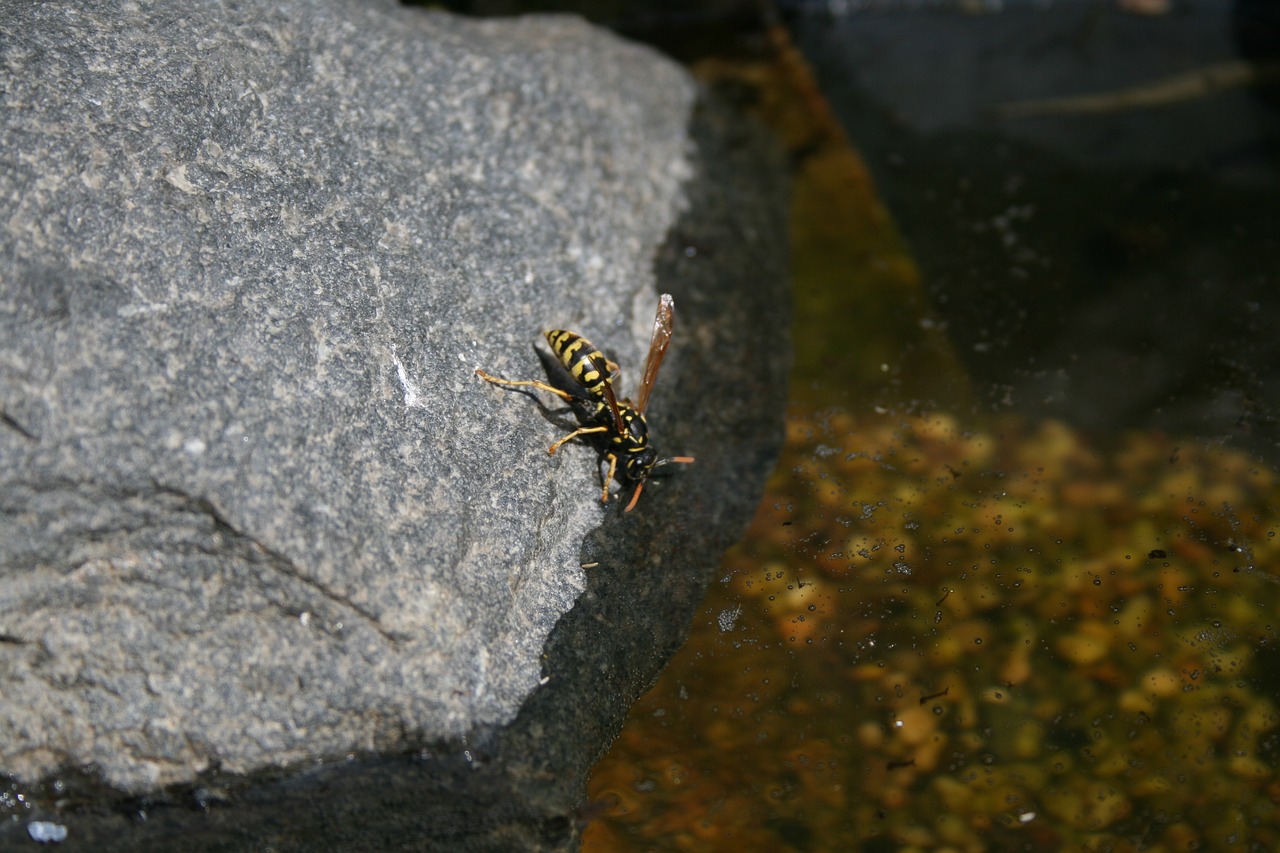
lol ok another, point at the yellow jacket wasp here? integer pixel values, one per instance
(619, 425)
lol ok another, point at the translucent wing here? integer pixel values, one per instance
(662, 325)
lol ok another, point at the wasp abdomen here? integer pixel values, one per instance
(585, 363)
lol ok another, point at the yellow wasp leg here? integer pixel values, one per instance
(613, 467)
(577, 432)
(563, 395)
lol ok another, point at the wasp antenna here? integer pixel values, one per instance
(683, 460)
(635, 497)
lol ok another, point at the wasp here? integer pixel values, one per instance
(617, 425)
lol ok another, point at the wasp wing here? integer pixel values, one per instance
(663, 323)
(612, 401)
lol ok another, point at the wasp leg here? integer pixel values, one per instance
(577, 432)
(563, 395)
(613, 468)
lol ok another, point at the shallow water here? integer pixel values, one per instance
(1014, 583)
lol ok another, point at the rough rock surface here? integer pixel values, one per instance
(256, 512)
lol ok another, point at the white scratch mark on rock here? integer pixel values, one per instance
(412, 398)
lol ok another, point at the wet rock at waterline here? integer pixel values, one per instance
(277, 569)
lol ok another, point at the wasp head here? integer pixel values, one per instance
(640, 463)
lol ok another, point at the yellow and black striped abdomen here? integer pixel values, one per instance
(585, 363)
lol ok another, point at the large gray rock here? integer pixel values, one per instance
(262, 531)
